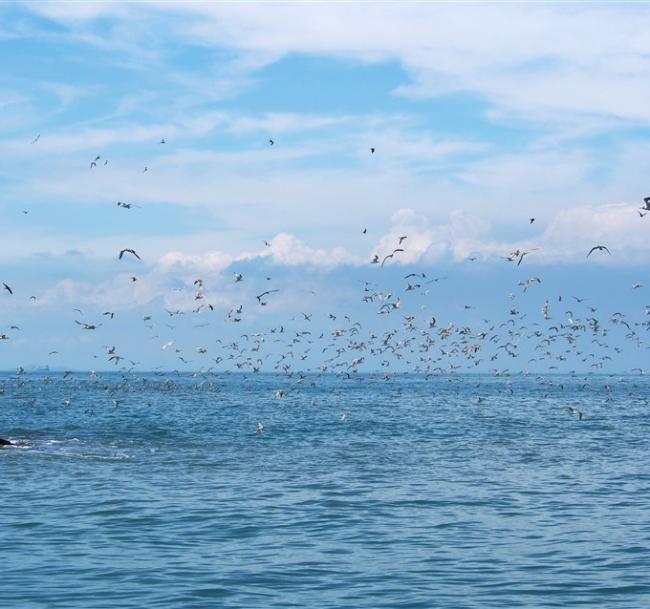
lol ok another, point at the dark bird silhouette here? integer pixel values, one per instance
(395, 251)
(128, 251)
(600, 248)
(260, 296)
(8, 288)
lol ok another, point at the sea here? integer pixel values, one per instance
(399, 491)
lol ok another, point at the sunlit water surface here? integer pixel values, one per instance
(456, 493)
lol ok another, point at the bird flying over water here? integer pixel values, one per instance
(86, 326)
(128, 251)
(600, 248)
(260, 296)
(395, 251)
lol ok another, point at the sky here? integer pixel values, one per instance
(481, 116)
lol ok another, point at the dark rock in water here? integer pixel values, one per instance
(4, 442)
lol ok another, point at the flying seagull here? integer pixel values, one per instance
(38, 137)
(398, 249)
(8, 288)
(87, 326)
(600, 248)
(260, 296)
(128, 251)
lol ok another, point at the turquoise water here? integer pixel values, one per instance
(449, 492)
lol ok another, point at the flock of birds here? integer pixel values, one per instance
(396, 341)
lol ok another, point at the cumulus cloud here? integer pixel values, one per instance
(566, 239)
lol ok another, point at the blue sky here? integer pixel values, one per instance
(482, 116)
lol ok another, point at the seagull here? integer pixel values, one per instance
(38, 137)
(87, 326)
(128, 251)
(238, 277)
(271, 142)
(372, 151)
(8, 288)
(126, 205)
(162, 141)
(601, 248)
(402, 239)
(575, 412)
(260, 296)
(375, 259)
(395, 251)
(531, 220)
(260, 427)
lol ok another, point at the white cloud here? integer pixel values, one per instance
(540, 61)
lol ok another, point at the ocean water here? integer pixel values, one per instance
(458, 492)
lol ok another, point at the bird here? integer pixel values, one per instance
(7, 287)
(260, 296)
(128, 251)
(38, 137)
(162, 141)
(86, 326)
(126, 205)
(271, 142)
(601, 248)
(531, 220)
(372, 151)
(260, 427)
(395, 251)
(402, 239)
(575, 412)
(238, 277)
